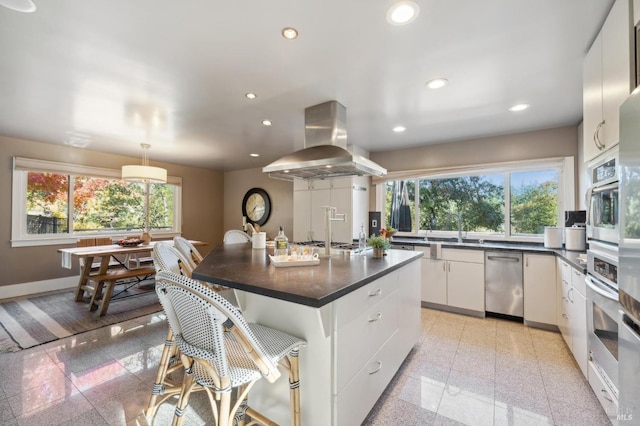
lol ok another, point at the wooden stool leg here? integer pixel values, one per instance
(188, 384)
(168, 355)
(294, 386)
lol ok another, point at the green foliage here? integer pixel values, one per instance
(478, 201)
(534, 207)
(378, 242)
(99, 203)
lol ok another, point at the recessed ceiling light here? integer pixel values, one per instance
(266, 122)
(289, 33)
(250, 95)
(403, 12)
(437, 83)
(399, 129)
(255, 155)
(26, 6)
(519, 107)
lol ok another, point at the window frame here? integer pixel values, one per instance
(21, 168)
(566, 193)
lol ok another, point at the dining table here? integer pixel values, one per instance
(106, 264)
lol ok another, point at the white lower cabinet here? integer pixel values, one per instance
(456, 280)
(573, 323)
(539, 279)
(375, 328)
(434, 281)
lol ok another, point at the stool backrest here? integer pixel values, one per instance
(199, 318)
(235, 236)
(168, 258)
(188, 250)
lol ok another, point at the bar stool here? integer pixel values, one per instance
(222, 352)
(167, 258)
(185, 247)
(234, 236)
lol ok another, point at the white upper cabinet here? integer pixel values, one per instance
(607, 80)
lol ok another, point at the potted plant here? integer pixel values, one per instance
(379, 244)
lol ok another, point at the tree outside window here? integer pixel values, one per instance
(99, 204)
(481, 202)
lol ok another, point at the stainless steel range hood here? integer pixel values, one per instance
(325, 154)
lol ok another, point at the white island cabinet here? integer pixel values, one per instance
(359, 316)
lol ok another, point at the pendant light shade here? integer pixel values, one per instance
(145, 172)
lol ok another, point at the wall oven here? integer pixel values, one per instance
(603, 312)
(603, 198)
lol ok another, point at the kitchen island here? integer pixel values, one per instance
(360, 317)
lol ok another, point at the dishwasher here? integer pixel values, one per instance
(503, 283)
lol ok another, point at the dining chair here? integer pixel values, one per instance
(234, 236)
(223, 353)
(188, 250)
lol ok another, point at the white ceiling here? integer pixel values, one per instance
(95, 73)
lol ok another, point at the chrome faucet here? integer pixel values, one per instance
(459, 218)
(330, 216)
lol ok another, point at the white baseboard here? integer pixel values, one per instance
(24, 289)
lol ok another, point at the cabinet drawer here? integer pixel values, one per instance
(577, 281)
(356, 302)
(458, 255)
(363, 337)
(359, 396)
(604, 395)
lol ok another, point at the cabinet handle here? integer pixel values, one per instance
(375, 293)
(596, 136)
(565, 299)
(526, 261)
(377, 369)
(378, 317)
(565, 316)
(449, 266)
(444, 267)
(604, 393)
(568, 293)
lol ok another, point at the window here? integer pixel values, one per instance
(54, 203)
(514, 202)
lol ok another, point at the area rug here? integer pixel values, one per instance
(34, 320)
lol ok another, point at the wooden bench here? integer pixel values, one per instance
(99, 300)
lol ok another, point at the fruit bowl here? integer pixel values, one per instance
(129, 243)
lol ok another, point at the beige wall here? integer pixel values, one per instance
(559, 142)
(237, 183)
(202, 206)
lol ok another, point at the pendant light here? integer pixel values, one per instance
(145, 172)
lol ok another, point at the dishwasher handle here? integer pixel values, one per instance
(504, 259)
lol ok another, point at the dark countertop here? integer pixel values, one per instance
(570, 257)
(239, 266)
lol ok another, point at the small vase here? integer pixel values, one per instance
(378, 253)
(146, 237)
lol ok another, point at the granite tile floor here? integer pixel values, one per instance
(463, 371)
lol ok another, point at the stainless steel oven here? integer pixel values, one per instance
(603, 198)
(603, 311)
